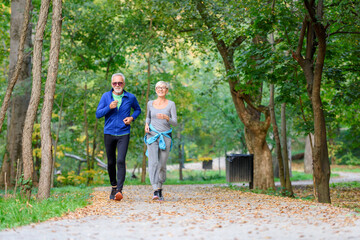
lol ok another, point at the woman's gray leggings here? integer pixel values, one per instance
(157, 162)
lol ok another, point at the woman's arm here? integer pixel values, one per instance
(148, 117)
(173, 116)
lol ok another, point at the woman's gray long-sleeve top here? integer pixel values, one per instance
(161, 125)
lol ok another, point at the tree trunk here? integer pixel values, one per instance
(255, 130)
(320, 154)
(88, 164)
(285, 151)
(143, 169)
(94, 146)
(313, 74)
(35, 94)
(45, 131)
(5, 170)
(20, 64)
(263, 170)
(57, 139)
(19, 74)
(308, 156)
(180, 154)
(277, 138)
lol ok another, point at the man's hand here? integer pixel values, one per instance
(128, 120)
(113, 104)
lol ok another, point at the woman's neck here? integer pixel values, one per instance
(161, 99)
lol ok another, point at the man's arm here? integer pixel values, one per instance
(137, 110)
(102, 108)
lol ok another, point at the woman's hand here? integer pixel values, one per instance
(163, 116)
(147, 129)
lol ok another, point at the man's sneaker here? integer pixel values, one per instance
(156, 195)
(118, 196)
(113, 193)
(161, 198)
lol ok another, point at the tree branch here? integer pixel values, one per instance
(297, 55)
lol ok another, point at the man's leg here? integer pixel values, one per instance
(110, 146)
(122, 147)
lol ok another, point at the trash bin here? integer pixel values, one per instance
(207, 164)
(240, 168)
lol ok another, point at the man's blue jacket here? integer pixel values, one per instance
(114, 124)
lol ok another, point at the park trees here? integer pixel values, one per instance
(46, 113)
(156, 40)
(31, 113)
(308, 29)
(19, 77)
(226, 26)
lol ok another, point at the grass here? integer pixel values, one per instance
(17, 211)
(300, 176)
(345, 168)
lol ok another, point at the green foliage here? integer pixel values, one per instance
(26, 184)
(17, 211)
(71, 179)
(349, 159)
(346, 149)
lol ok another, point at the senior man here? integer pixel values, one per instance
(116, 106)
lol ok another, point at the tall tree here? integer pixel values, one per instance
(45, 131)
(277, 138)
(19, 74)
(285, 155)
(31, 113)
(143, 171)
(248, 106)
(314, 32)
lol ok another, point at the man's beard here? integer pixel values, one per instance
(118, 91)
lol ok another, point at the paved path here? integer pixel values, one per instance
(196, 212)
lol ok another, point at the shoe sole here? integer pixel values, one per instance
(155, 198)
(118, 196)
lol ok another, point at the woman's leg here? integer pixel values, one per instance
(153, 163)
(163, 157)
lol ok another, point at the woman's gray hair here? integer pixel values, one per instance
(160, 83)
(118, 74)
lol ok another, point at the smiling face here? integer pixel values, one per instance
(161, 90)
(118, 84)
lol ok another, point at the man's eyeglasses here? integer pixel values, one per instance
(117, 83)
(161, 88)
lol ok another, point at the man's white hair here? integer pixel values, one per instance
(162, 83)
(118, 74)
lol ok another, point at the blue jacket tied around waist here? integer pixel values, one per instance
(162, 144)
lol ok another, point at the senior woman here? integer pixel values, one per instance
(160, 116)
